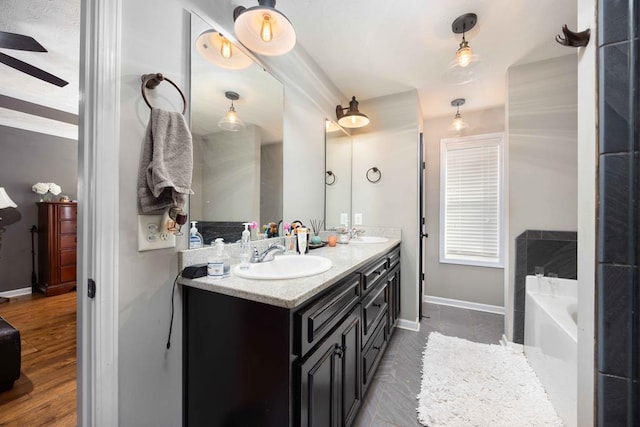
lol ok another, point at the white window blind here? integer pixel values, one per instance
(471, 200)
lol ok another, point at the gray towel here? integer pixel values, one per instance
(166, 165)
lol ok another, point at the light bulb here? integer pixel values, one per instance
(464, 56)
(458, 123)
(354, 120)
(225, 49)
(266, 33)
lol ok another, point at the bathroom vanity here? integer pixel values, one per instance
(297, 352)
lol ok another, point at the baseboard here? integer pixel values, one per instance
(408, 325)
(505, 342)
(495, 309)
(15, 293)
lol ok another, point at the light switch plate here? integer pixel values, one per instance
(344, 218)
(151, 236)
(357, 219)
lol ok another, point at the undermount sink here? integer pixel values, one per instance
(285, 267)
(369, 239)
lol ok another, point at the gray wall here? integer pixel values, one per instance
(390, 142)
(460, 282)
(29, 157)
(542, 178)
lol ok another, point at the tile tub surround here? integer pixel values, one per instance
(287, 293)
(618, 257)
(556, 251)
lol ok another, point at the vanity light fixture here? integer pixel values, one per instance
(352, 118)
(458, 124)
(263, 29)
(231, 121)
(461, 25)
(217, 49)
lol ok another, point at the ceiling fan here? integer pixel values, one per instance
(22, 42)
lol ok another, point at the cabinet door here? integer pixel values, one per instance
(393, 287)
(330, 389)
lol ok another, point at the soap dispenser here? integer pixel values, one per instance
(219, 265)
(195, 238)
(245, 246)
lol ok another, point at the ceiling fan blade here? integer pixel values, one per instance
(20, 42)
(31, 70)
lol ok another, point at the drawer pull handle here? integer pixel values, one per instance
(377, 305)
(376, 348)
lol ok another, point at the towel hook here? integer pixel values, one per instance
(328, 178)
(371, 171)
(150, 81)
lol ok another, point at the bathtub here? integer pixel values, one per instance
(551, 340)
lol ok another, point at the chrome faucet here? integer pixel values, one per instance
(353, 233)
(268, 253)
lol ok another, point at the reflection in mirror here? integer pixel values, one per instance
(237, 175)
(337, 176)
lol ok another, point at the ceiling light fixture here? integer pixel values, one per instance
(462, 24)
(352, 118)
(217, 49)
(458, 124)
(263, 29)
(231, 121)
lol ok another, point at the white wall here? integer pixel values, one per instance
(390, 142)
(338, 194)
(542, 154)
(271, 168)
(460, 282)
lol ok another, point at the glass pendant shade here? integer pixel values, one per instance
(231, 122)
(352, 118)
(464, 54)
(458, 124)
(264, 30)
(5, 200)
(218, 50)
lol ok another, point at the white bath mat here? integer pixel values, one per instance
(470, 384)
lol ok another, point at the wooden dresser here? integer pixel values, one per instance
(57, 224)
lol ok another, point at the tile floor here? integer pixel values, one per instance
(391, 399)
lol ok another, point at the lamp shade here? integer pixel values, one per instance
(264, 30)
(217, 49)
(5, 200)
(352, 118)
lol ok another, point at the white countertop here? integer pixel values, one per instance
(290, 293)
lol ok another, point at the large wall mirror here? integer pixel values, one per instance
(337, 175)
(237, 175)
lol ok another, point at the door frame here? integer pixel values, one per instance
(98, 212)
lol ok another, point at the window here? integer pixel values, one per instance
(472, 200)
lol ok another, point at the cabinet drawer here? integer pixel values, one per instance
(67, 212)
(374, 274)
(68, 274)
(67, 241)
(394, 257)
(373, 352)
(67, 258)
(67, 227)
(318, 318)
(374, 307)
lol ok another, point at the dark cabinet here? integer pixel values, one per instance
(57, 242)
(249, 363)
(330, 378)
(393, 288)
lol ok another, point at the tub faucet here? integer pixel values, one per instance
(268, 253)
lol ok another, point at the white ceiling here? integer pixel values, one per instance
(367, 48)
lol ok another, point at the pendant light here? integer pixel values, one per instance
(458, 124)
(352, 118)
(263, 29)
(231, 121)
(217, 49)
(462, 24)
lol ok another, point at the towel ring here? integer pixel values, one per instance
(374, 170)
(150, 81)
(328, 180)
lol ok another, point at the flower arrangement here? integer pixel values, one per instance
(45, 190)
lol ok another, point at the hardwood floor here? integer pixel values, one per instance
(45, 393)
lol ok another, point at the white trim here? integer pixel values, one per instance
(495, 309)
(15, 293)
(98, 212)
(408, 325)
(506, 343)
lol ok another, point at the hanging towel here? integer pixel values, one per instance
(166, 165)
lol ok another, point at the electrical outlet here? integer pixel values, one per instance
(357, 219)
(151, 235)
(344, 218)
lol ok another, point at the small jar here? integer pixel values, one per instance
(343, 238)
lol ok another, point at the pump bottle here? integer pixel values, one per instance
(195, 238)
